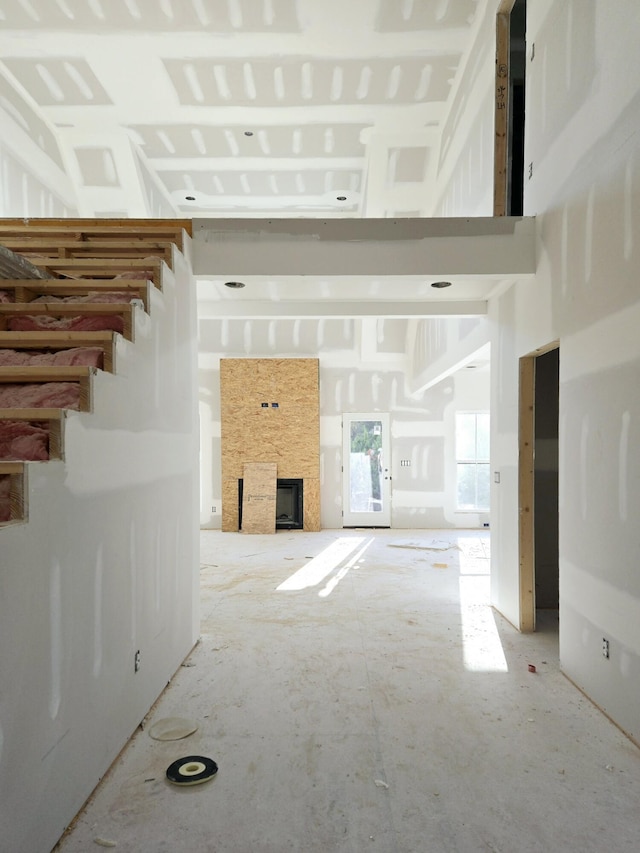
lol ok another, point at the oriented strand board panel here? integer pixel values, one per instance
(230, 514)
(311, 507)
(270, 412)
(259, 497)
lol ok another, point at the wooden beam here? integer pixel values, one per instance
(526, 446)
(44, 373)
(104, 226)
(500, 156)
(11, 467)
(34, 414)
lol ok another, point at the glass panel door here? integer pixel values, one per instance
(366, 470)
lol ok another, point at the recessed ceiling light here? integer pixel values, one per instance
(190, 197)
(235, 285)
(248, 133)
(440, 284)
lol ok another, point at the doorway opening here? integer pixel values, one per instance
(510, 100)
(538, 487)
(366, 487)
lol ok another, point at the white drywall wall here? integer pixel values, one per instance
(583, 141)
(106, 565)
(33, 180)
(590, 249)
(464, 182)
(440, 347)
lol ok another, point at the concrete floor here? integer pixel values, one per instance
(358, 694)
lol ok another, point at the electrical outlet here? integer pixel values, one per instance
(605, 648)
(213, 509)
(136, 661)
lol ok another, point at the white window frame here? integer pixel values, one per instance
(470, 461)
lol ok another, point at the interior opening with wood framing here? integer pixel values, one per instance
(508, 196)
(538, 483)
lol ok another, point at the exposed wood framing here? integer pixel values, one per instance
(526, 436)
(17, 473)
(155, 229)
(26, 292)
(12, 265)
(500, 156)
(105, 268)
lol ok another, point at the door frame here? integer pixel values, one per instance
(382, 519)
(526, 485)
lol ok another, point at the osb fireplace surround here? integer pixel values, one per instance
(288, 434)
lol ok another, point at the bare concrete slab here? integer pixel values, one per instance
(378, 704)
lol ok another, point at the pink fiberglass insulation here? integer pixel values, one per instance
(5, 504)
(5, 296)
(89, 356)
(136, 275)
(54, 395)
(44, 322)
(24, 441)
(93, 296)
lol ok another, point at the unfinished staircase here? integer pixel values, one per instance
(68, 288)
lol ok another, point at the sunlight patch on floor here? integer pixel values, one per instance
(481, 646)
(320, 567)
(333, 582)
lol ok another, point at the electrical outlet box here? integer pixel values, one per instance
(136, 661)
(605, 648)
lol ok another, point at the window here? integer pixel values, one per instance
(472, 461)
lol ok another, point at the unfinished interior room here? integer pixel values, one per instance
(319, 426)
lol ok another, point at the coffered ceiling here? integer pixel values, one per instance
(239, 107)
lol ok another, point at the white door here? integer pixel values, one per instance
(366, 470)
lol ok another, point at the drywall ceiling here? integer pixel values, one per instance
(242, 107)
(249, 109)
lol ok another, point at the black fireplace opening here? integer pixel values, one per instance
(289, 504)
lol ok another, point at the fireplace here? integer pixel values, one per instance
(289, 504)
